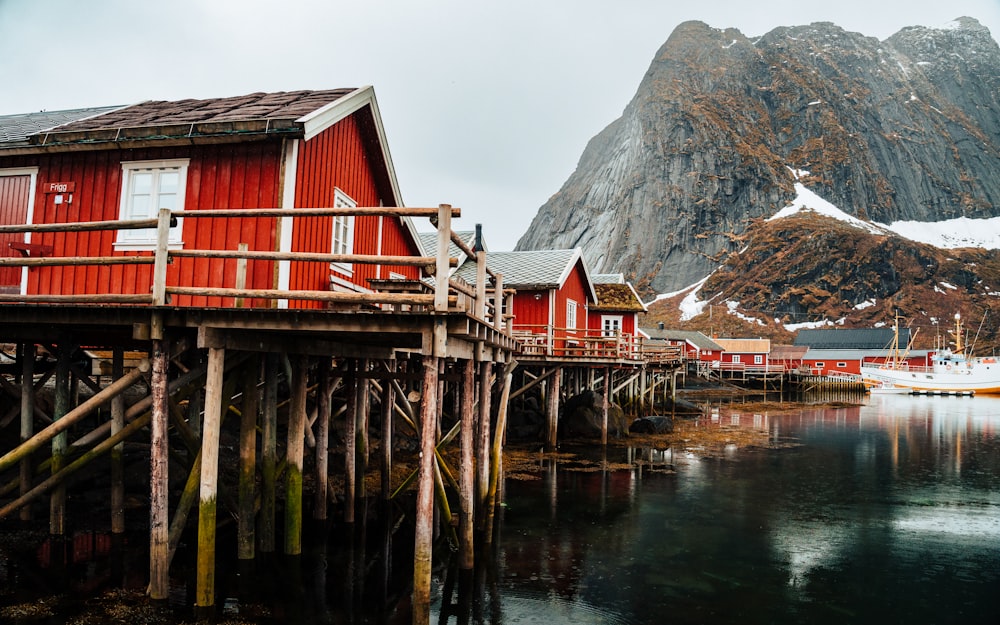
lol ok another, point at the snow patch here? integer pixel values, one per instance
(868, 303)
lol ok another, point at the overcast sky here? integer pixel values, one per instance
(486, 105)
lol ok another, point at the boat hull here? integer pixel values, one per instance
(960, 380)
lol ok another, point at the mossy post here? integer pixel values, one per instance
(269, 454)
(322, 439)
(424, 533)
(483, 432)
(552, 408)
(295, 453)
(27, 468)
(467, 477)
(57, 498)
(117, 453)
(248, 460)
(205, 585)
(159, 485)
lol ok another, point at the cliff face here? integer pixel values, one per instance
(902, 129)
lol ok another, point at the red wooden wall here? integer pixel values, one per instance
(14, 192)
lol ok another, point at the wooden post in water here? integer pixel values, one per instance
(28, 352)
(604, 406)
(118, 451)
(467, 470)
(483, 434)
(388, 401)
(424, 534)
(350, 441)
(294, 455)
(363, 408)
(552, 409)
(322, 439)
(248, 459)
(205, 584)
(159, 486)
(57, 498)
(269, 454)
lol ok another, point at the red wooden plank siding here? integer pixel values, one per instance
(574, 288)
(225, 176)
(14, 192)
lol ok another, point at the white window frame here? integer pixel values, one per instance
(615, 323)
(342, 226)
(758, 359)
(145, 238)
(571, 316)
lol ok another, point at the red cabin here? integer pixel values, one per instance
(554, 293)
(294, 150)
(614, 320)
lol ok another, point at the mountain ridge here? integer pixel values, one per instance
(898, 130)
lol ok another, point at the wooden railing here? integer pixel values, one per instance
(546, 340)
(436, 291)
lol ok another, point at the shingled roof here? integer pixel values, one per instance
(15, 129)
(528, 270)
(862, 338)
(295, 113)
(617, 298)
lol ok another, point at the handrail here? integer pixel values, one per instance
(441, 298)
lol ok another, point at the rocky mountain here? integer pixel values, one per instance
(723, 126)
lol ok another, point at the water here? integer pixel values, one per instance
(887, 513)
(884, 513)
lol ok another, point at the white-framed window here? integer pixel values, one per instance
(343, 232)
(148, 186)
(737, 358)
(571, 314)
(758, 359)
(611, 325)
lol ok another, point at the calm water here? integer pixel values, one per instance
(886, 513)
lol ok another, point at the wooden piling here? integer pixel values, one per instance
(205, 584)
(483, 433)
(363, 408)
(350, 442)
(320, 497)
(294, 456)
(467, 470)
(28, 353)
(552, 408)
(159, 486)
(57, 498)
(248, 460)
(424, 531)
(388, 403)
(604, 406)
(269, 454)
(118, 451)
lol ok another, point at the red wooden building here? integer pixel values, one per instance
(614, 318)
(294, 150)
(554, 294)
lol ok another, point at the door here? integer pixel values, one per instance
(14, 199)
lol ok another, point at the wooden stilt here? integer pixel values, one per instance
(294, 455)
(552, 409)
(350, 442)
(388, 403)
(496, 451)
(322, 438)
(117, 453)
(205, 584)
(604, 406)
(159, 520)
(363, 408)
(467, 470)
(248, 460)
(425, 493)
(269, 454)
(484, 431)
(57, 498)
(28, 352)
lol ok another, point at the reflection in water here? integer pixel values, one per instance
(889, 512)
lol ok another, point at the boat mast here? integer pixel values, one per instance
(958, 334)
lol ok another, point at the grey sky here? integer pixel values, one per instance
(487, 106)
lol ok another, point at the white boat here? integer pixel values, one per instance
(888, 388)
(952, 372)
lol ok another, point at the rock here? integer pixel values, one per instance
(656, 424)
(582, 416)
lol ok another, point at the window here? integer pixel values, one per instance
(758, 359)
(736, 358)
(148, 186)
(343, 232)
(841, 365)
(571, 314)
(611, 325)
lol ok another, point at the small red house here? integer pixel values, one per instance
(302, 149)
(744, 354)
(554, 294)
(615, 315)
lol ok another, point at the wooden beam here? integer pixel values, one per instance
(424, 532)
(159, 483)
(205, 583)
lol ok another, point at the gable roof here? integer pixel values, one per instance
(15, 129)
(745, 346)
(532, 270)
(788, 352)
(608, 278)
(617, 298)
(693, 337)
(862, 338)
